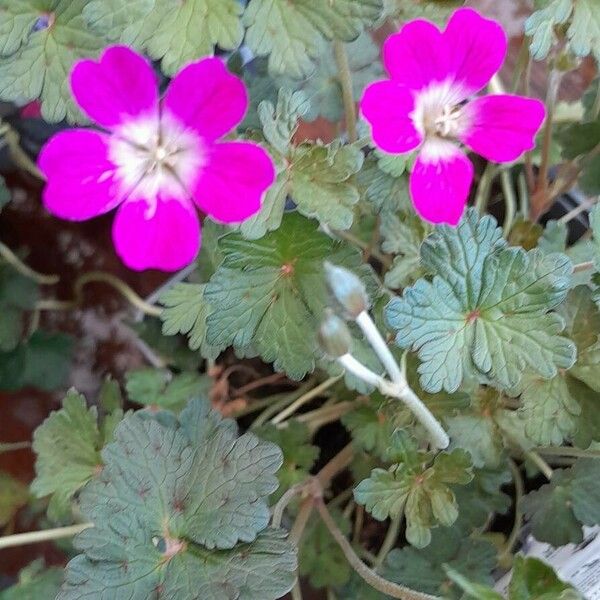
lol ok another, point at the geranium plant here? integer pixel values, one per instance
(354, 248)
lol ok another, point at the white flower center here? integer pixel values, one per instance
(156, 157)
(438, 112)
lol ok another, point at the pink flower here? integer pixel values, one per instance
(423, 106)
(157, 159)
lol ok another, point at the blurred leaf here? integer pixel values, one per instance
(35, 583)
(13, 495)
(160, 387)
(437, 11)
(176, 32)
(370, 427)
(39, 41)
(5, 195)
(554, 238)
(291, 34)
(320, 558)
(488, 315)
(299, 455)
(42, 361)
(271, 293)
(423, 570)
(199, 526)
(559, 509)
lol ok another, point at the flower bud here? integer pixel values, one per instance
(347, 289)
(334, 336)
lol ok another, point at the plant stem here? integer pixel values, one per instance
(273, 408)
(364, 246)
(296, 592)
(516, 530)
(584, 266)
(578, 210)
(12, 446)
(336, 465)
(401, 391)
(568, 451)
(301, 520)
(485, 187)
(33, 537)
(100, 277)
(369, 575)
(380, 347)
(390, 539)
(283, 502)
(540, 463)
(304, 399)
(13, 260)
(345, 76)
(510, 202)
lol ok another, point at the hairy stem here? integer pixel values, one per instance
(516, 530)
(13, 260)
(369, 575)
(34, 537)
(304, 399)
(540, 463)
(578, 210)
(568, 451)
(402, 391)
(390, 539)
(345, 76)
(510, 202)
(12, 446)
(584, 266)
(485, 187)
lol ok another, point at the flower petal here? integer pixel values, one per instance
(502, 127)
(80, 177)
(415, 56)
(475, 47)
(167, 238)
(440, 182)
(208, 98)
(387, 106)
(120, 86)
(232, 184)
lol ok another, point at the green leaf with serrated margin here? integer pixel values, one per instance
(182, 505)
(176, 32)
(40, 41)
(486, 310)
(271, 293)
(290, 34)
(572, 499)
(185, 311)
(67, 447)
(13, 495)
(419, 491)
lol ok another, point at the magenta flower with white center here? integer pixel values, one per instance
(156, 159)
(427, 105)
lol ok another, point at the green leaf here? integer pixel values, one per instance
(185, 312)
(37, 59)
(320, 558)
(13, 495)
(533, 579)
(562, 408)
(403, 235)
(583, 31)
(271, 293)
(35, 583)
(488, 315)
(437, 11)
(182, 505)
(67, 447)
(384, 191)
(18, 294)
(419, 491)
(572, 499)
(554, 238)
(477, 591)
(42, 361)
(323, 87)
(299, 455)
(291, 34)
(423, 570)
(371, 428)
(160, 387)
(5, 195)
(176, 32)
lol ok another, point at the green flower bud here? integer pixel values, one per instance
(334, 336)
(347, 289)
